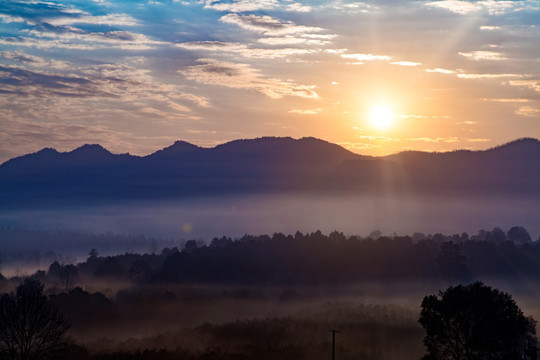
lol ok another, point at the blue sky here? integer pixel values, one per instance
(136, 76)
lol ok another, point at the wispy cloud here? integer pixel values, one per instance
(377, 138)
(357, 146)
(243, 76)
(492, 7)
(238, 6)
(279, 32)
(366, 57)
(528, 111)
(440, 70)
(306, 111)
(109, 20)
(450, 139)
(532, 84)
(242, 6)
(307, 39)
(349, 7)
(268, 25)
(20, 57)
(242, 49)
(490, 27)
(125, 40)
(298, 7)
(406, 63)
(488, 76)
(413, 116)
(473, 140)
(455, 6)
(518, 100)
(482, 55)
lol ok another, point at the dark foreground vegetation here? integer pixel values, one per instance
(277, 297)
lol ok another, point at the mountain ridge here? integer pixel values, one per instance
(266, 165)
(181, 147)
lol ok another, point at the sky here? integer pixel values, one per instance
(376, 77)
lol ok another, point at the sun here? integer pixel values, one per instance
(381, 117)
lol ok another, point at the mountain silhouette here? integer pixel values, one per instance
(263, 166)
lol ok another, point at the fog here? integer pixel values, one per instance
(205, 218)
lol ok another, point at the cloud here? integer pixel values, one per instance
(243, 76)
(10, 18)
(455, 6)
(482, 55)
(123, 84)
(442, 71)
(518, 100)
(26, 82)
(307, 39)
(478, 140)
(124, 40)
(241, 6)
(109, 20)
(268, 25)
(35, 10)
(349, 7)
(355, 146)
(406, 63)
(366, 57)
(412, 116)
(20, 57)
(44, 44)
(492, 7)
(278, 32)
(490, 27)
(297, 7)
(377, 138)
(532, 84)
(528, 111)
(449, 140)
(487, 76)
(306, 112)
(242, 49)
(237, 6)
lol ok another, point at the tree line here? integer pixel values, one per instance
(316, 258)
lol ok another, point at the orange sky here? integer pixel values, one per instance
(136, 76)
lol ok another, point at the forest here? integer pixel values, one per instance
(273, 296)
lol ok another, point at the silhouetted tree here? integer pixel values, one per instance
(190, 246)
(497, 235)
(110, 267)
(452, 264)
(31, 328)
(140, 271)
(519, 235)
(93, 254)
(65, 276)
(475, 322)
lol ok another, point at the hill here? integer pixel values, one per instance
(263, 166)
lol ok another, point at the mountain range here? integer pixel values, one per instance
(267, 165)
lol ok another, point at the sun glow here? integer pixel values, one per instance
(381, 117)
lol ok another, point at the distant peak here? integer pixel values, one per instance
(179, 147)
(47, 150)
(525, 142)
(90, 148)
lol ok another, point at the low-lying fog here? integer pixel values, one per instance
(205, 218)
(151, 226)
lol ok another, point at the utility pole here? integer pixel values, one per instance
(334, 343)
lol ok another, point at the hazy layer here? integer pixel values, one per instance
(205, 218)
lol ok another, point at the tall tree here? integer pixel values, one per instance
(475, 322)
(31, 328)
(452, 264)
